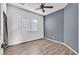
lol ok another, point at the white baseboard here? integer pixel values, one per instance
(63, 44)
(70, 48)
(19, 42)
(55, 40)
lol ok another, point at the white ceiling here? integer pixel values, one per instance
(33, 6)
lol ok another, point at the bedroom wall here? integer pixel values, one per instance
(54, 25)
(63, 25)
(71, 25)
(0, 21)
(17, 33)
(0, 28)
(78, 27)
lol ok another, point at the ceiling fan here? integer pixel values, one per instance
(42, 6)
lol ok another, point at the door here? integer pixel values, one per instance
(4, 43)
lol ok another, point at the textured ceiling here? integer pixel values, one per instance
(33, 6)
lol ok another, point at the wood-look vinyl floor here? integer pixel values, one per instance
(38, 47)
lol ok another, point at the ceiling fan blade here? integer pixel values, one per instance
(48, 6)
(38, 8)
(22, 3)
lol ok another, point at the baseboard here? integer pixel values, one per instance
(24, 41)
(63, 44)
(70, 48)
(55, 40)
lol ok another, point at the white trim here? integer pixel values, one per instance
(54, 40)
(70, 48)
(10, 44)
(63, 44)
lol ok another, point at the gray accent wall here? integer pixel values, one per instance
(62, 25)
(71, 25)
(54, 25)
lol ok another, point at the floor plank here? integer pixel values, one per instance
(38, 47)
